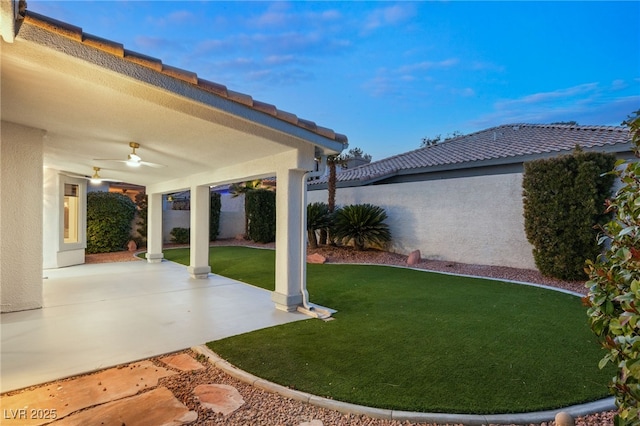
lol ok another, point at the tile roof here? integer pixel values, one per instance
(498, 145)
(75, 33)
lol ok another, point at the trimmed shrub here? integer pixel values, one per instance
(261, 215)
(142, 203)
(563, 200)
(614, 287)
(318, 217)
(180, 235)
(363, 224)
(109, 218)
(214, 216)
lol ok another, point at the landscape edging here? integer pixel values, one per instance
(606, 404)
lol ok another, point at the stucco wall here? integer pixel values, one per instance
(231, 216)
(20, 217)
(475, 220)
(174, 219)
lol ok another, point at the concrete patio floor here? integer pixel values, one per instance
(101, 315)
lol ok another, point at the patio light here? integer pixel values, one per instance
(133, 160)
(96, 179)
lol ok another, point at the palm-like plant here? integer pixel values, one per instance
(318, 217)
(362, 223)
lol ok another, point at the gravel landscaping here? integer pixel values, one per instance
(264, 408)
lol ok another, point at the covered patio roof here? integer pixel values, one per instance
(72, 101)
(92, 97)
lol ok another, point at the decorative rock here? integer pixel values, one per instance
(239, 237)
(414, 258)
(316, 258)
(564, 419)
(223, 399)
(182, 362)
(132, 246)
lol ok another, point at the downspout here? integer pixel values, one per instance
(306, 307)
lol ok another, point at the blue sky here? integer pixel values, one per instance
(387, 74)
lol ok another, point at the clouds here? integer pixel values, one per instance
(388, 16)
(589, 103)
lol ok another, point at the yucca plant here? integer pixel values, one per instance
(318, 217)
(363, 224)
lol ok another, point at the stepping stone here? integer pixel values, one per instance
(314, 422)
(182, 362)
(66, 397)
(223, 399)
(157, 407)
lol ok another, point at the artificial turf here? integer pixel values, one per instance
(420, 341)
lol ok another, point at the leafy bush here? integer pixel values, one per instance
(214, 216)
(563, 201)
(318, 217)
(109, 217)
(614, 287)
(180, 235)
(142, 203)
(363, 224)
(261, 215)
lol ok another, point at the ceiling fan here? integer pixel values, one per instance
(133, 159)
(94, 179)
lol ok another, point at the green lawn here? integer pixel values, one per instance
(420, 341)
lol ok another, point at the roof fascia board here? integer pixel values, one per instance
(246, 117)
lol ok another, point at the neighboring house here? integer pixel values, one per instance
(461, 200)
(72, 101)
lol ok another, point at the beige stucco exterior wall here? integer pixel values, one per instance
(476, 220)
(231, 216)
(20, 217)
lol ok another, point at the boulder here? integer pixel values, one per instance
(132, 246)
(564, 419)
(316, 258)
(414, 258)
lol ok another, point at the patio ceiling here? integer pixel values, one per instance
(92, 104)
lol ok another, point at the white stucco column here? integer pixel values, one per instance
(289, 237)
(154, 228)
(21, 217)
(199, 254)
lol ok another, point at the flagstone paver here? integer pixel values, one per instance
(312, 423)
(182, 362)
(60, 399)
(223, 399)
(157, 407)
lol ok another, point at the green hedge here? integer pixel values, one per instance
(109, 217)
(180, 235)
(261, 215)
(614, 287)
(214, 216)
(564, 199)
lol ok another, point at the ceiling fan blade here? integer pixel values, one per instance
(133, 159)
(154, 165)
